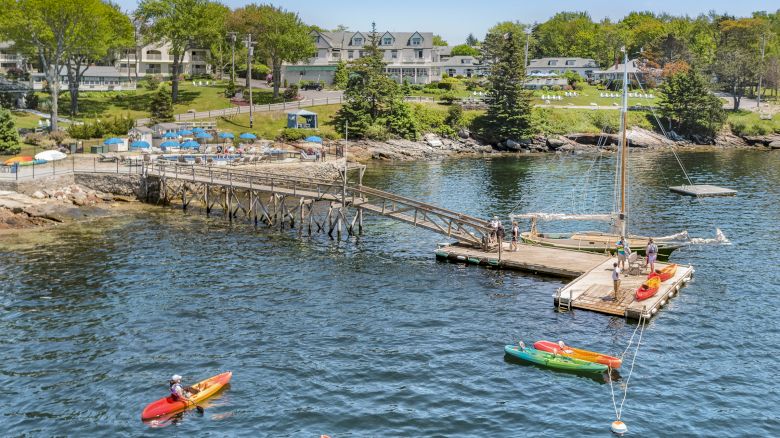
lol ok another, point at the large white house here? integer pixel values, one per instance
(585, 67)
(9, 57)
(408, 56)
(94, 78)
(156, 60)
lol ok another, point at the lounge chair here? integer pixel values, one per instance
(103, 158)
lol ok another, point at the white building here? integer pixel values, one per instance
(95, 78)
(156, 60)
(9, 57)
(408, 56)
(585, 67)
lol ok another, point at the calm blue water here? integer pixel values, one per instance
(373, 336)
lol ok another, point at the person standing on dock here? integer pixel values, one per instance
(615, 280)
(623, 251)
(652, 254)
(494, 228)
(515, 236)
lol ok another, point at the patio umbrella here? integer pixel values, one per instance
(170, 134)
(248, 136)
(184, 132)
(169, 144)
(314, 139)
(197, 130)
(226, 135)
(191, 144)
(204, 134)
(139, 144)
(113, 140)
(50, 156)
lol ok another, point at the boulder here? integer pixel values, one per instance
(464, 133)
(38, 195)
(775, 144)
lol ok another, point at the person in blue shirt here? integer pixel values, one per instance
(623, 252)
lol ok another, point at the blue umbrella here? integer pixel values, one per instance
(248, 136)
(170, 135)
(169, 144)
(203, 135)
(314, 139)
(185, 132)
(190, 144)
(113, 140)
(139, 144)
(226, 135)
(196, 130)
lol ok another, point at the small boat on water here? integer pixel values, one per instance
(576, 353)
(530, 354)
(167, 405)
(666, 273)
(649, 287)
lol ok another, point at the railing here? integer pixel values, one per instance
(152, 57)
(70, 166)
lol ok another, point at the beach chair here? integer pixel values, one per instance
(636, 264)
(194, 84)
(103, 158)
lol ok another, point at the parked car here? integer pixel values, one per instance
(312, 86)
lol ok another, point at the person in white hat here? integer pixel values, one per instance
(177, 391)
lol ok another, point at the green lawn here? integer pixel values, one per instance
(750, 123)
(135, 104)
(25, 120)
(269, 125)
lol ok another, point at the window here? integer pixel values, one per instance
(357, 41)
(394, 54)
(465, 61)
(387, 41)
(418, 54)
(553, 62)
(570, 62)
(351, 54)
(451, 72)
(416, 41)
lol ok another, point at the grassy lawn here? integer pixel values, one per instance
(135, 104)
(749, 123)
(269, 125)
(590, 94)
(25, 120)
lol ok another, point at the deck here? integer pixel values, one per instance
(702, 190)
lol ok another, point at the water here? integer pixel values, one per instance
(374, 337)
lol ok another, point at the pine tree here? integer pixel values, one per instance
(471, 40)
(162, 106)
(9, 137)
(690, 107)
(341, 75)
(508, 116)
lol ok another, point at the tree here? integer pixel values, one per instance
(567, 34)
(281, 36)
(464, 50)
(439, 41)
(689, 105)
(471, 40)
(341, 75)
(341, 28)
(105, 29)
(373, 101)
(509, 105)
(9, 137)
(49, 31)
(161, 106)
(184, 25)
(737, 56)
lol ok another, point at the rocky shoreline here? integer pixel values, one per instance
(433, 147)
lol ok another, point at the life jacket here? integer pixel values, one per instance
(175, 390)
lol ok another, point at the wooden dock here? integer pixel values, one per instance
(591, 287)
(702, 190)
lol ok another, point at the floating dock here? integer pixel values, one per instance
(702, 190)
(591, 287)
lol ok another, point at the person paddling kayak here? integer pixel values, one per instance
(179, 392)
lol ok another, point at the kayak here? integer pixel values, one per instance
(576, 353)
(530, 354)
(167, 405)
(648, 288)
(20, 159)
(665, 273)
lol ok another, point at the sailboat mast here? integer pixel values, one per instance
(624, 148)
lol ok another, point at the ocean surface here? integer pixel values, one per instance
(373, 336)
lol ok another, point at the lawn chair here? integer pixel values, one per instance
(103, 158)
(636, 264)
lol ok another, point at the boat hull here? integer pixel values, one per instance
(167, 406)
(648, 288)
(599, 243)
(550, 360)
(576, 353)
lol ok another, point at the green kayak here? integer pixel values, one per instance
(530, 354)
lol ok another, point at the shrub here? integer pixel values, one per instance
(153, 82)
(58, 137)
(448, 84)
(448, 98)
(454, 117)
(291, 92)
(417, 87)
(604, 121)
(230, 90)
(33, 139)
(102, 128)
(377, 131)
(7, 100)
(31, 99)
(9, 137)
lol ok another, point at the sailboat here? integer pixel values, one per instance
(604, 241)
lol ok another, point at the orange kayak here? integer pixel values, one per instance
(576, 353)
(167, 405)
(665, 273)
(648, 288)
(20, 159)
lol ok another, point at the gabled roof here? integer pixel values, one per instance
(358, 33)
(457, 61)
(342, 40)
(633, 67)
(560, 62)
(382, 38)
(323, 38)
(92, 71)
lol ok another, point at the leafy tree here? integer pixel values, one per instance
(464, 50)
(374, 103)
(572, 77)
(509, 105)
(341, 28)
(454, 117)
(471, 40)
(230, 90)
(439, 41)
(566, 34)
(162, 106)
(184, 24)
(641, 29)
(737, 56)
(689, 105)
(281, 36)
(9, 137)
(341, 75)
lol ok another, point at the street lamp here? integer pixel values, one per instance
(233, 56)
(251, 51)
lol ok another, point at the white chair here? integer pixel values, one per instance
(636, 264)
(194, 84)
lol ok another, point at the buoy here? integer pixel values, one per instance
(619, 427)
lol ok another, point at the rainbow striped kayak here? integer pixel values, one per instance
(530, 354)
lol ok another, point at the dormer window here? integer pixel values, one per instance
(357, 41)
(553, 62)
(570, 62)
(416, 41)
(387, 41)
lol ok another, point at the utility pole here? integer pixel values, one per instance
(527, 39)
(761, 72)
(251, 51)
(233, 56)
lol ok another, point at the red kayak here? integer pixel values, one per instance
(665, 273)
(649, 287)
(168, 405)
